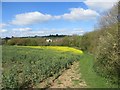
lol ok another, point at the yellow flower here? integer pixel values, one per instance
(59, 48)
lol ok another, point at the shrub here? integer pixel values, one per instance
(107, 58)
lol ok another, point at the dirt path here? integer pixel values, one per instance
(70, 78)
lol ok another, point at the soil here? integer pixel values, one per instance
(71, 78)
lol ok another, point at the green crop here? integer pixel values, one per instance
(25, 67)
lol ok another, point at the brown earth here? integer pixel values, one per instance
(70, 78)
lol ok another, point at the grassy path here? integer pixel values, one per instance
(89, 75)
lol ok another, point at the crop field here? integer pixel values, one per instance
(25, 66)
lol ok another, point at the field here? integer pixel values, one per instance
(74, 48)
(27, 66)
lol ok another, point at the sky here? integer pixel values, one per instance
(21, 19)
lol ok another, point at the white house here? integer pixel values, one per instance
(48, 40)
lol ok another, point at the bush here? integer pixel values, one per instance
(107, 55)
(107, 58)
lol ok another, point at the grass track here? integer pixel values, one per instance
(90, 76)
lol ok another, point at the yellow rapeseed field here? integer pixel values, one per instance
(59, 48)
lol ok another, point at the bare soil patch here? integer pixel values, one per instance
(70, 78)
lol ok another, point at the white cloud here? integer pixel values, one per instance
(28, 33)
(30, 18)
(2, 25)
(78, 31)
(43, 32)
(57, 17)
(100, 5)
(64, 31)
(3, 30)
(20, 33)
(80, 14)
(22, 29)
(47, 31)
(37, 17)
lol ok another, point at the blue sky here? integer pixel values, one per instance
(44, 18)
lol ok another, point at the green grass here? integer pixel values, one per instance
(92, 79)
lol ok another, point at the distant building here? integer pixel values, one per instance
(49, 40)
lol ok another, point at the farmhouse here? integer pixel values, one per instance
(49, 40)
